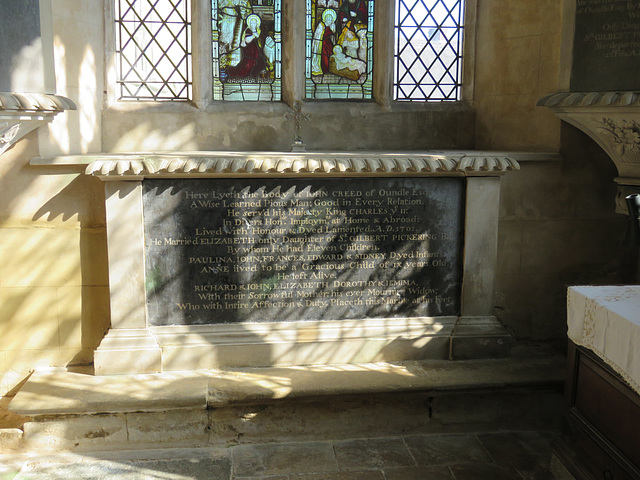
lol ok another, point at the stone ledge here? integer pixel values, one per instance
(75, 411)
(21, 113)
(62, 392)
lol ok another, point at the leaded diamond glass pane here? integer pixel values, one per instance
(153, 47)
(428, 50)
(339, 49)
(247, 49)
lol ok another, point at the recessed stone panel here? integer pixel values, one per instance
(272, 250)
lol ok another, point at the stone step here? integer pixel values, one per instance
(74, 410)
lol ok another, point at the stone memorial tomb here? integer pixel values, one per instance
(250, 259)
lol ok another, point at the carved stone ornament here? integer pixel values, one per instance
(623, 137)
(21, 113)
(216, 164)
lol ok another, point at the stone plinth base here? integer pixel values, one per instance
(193, 347)
(132, 350)
(76, 411)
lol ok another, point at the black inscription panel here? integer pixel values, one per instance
(264, 250)
(606, 48)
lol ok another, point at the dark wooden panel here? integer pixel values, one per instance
(600, 432)
(600, 462)
(608, 407)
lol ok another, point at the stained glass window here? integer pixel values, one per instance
(247, 52)
(339, 49)
(428, 51)
(153, 47)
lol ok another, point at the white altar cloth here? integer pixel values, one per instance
(606, 319)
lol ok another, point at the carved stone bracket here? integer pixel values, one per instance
(612, 119)
(21, 113)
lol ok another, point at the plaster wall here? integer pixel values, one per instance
(265, 128)
(517, 61)
(557, 224)
(53, 271)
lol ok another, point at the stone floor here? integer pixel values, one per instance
(479, 456)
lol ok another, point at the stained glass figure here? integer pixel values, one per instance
(339, 49)
(246, 49)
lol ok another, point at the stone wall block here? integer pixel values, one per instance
(179, 427)
(90, 432)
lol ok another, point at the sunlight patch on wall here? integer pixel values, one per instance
(87, 99)
(59, 128)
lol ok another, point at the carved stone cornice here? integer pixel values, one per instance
(217, 164)
(590, 99)
(21, 113)
(612, 119)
